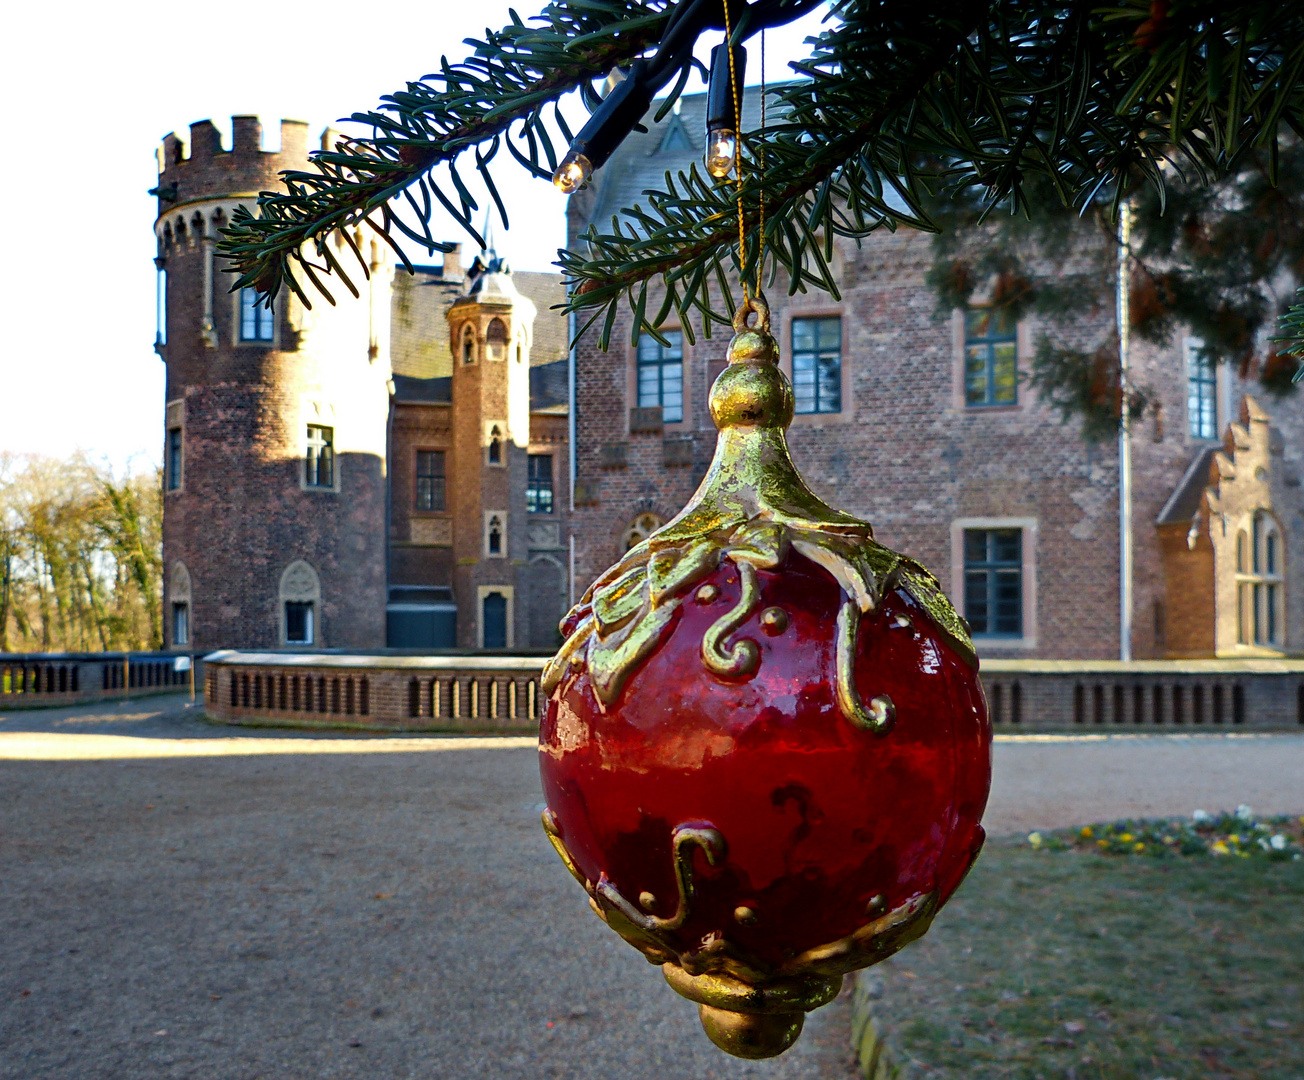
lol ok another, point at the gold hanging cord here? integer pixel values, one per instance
(738, 161)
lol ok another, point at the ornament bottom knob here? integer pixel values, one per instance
(751, 1035)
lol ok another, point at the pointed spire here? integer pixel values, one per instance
(489, 255)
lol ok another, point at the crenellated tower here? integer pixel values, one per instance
(275, 436)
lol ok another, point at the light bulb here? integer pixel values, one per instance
(572, 172)
(721, 152)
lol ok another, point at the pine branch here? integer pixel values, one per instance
(498, 96)
(899, 104)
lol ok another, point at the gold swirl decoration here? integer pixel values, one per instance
(748, 1007)
(751, 509)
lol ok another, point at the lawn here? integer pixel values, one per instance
(1064, 959)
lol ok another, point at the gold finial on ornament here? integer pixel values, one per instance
(752, 391)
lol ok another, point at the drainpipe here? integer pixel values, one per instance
(571, 448)
(1124, 444)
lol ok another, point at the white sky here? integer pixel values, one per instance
(91, 89)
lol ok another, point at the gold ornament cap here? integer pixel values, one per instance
(752, 391)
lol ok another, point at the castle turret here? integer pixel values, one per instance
(274, 505)
(490, 331)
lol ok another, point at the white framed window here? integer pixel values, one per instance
(257, 320)
(1260, 582)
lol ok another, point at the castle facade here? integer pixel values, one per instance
(396, 470)
(921, 423)
(389, 470)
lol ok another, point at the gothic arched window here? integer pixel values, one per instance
(468, 344)
(496, 340)
(493, 535)
(640, 529)
(1259, 583)
(495, 445)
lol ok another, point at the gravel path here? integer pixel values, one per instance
(179, 900)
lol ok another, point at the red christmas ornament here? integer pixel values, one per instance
(765, 751)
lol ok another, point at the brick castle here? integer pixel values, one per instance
(395, 470)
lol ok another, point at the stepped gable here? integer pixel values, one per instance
(1244, 455)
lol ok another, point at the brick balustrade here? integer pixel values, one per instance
(42, 680)
(477, 693)
(1104, 695)
(462, 693)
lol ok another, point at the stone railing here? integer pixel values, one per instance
(47, 679)
(487, 693)
(461, 693)
(1071, 695)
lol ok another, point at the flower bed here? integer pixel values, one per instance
(1238, 834)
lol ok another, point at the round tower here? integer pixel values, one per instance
(274, 444)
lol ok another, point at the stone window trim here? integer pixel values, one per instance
(1260, 583)
(508, 593)
(174, 447)
(468, 347)
(300, 585)
(1029, 528)
(179, 596)
(1024, 330)
(689, 353)
(783, 334)
(640, 527)
(495, 520)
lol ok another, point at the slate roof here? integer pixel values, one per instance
(1183, 503)
(438, 391)
(549, 386)
(419, 346)
(676, 144)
